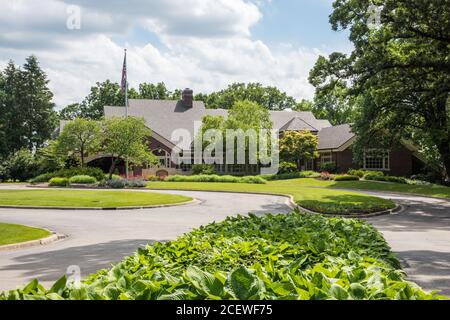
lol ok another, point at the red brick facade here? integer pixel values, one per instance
(401, 162)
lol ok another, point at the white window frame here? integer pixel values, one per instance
(385, 156)
(326, 157)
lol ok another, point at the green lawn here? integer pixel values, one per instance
(12, 233)
(318, 199)
(86, 198)
(431, 191)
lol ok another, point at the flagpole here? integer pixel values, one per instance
(126, 111)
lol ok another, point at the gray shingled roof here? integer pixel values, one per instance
(297, 124)
(335, 137)
(165, 116)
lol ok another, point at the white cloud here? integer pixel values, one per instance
(204, 45)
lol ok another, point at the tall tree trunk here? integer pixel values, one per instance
(113, 167)
(444, 150)
(440, 121)
(82, 157)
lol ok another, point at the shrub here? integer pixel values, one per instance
(97, 173)
(136, 184)
(203, 169)
(289, 176)
(319, 258)
(361, 173)
(287, 167)
(253, 180)
(83, 180)
(43, 178)
(69, 173)
(20, 166)
(328, 167)
(346, 178)
(59, 182)
(326, 176)
(375, 177)
(116, 183)
(152, 178)
(216, 178)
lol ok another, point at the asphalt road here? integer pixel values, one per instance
(97, 239)
(420, 235)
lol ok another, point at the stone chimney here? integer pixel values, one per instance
(188, 98)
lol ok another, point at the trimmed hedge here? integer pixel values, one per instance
(83, 180)
(97, 173)
(59, 182)
(289, 176)
(218, 179)
(375, 177)
(346, 178)
(361, 173)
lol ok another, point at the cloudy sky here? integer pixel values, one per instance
(201, 44)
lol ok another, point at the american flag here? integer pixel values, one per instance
(124, 73)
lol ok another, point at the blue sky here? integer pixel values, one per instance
(302, 23)
(202, 44)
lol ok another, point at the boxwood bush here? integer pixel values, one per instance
(69, 173)
(289, 176)
(83, 180)
(218, 179)
(116, 183)
(287, 257)
(361, 173)
(59, 182)
(375, 177)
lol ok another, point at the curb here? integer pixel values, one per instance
(194, 201)
(34, 243)
(290, 199)
(293, 205)
(396, 210)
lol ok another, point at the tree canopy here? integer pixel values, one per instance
(298, 146)
(126, 138)
(80, 137)
(399, 71)
(27, 116)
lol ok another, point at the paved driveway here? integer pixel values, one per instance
(99, 238)
(420, 235)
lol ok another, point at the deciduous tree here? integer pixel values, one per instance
(126, 138)
(400, 71)
(80, 137)
(297, 146)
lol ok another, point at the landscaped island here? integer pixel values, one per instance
(86, 198)
(12, 234)
(306, 192)
(250, 258)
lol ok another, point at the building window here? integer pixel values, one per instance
(375, 159)
(326, 157)
(165, 160)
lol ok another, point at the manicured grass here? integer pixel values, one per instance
(431, 191)
(12, 233)
(86, 198)
(316, 199)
